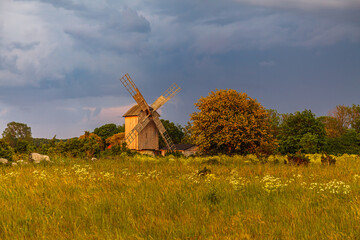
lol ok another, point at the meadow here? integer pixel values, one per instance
(142, 197)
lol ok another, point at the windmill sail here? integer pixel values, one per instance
(134, 92)
(166, 96)
(169, 143)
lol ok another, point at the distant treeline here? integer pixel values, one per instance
(227, 122)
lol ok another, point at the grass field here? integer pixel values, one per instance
(168, 198)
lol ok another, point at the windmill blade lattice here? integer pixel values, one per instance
(166, 96)
(130, 137)
(169, 143)
(134, 92)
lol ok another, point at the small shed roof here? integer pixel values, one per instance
(134, 111)
(180, 147)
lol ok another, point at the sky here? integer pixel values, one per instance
(61, 60)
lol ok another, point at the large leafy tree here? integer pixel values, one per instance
(301, 131)
(231, 122)
(15, 131)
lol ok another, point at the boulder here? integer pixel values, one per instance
(3, 161)
(37, 158)
(14, 164)
(94, 159)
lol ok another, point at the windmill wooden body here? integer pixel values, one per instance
(142, 123)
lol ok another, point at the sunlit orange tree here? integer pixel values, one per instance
(231, 122)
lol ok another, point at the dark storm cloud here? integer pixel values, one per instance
(71, 53)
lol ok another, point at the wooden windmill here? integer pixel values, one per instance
(142, 123)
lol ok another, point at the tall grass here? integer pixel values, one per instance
(166, 198)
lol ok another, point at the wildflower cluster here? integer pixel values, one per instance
(209, 178)
(42, 175)
(272, 184)
(125, 172)
(334, 187)
(356, 177)
(150, 175)
(238, 183)
(9, 175)
(83, 173)
(191, 177)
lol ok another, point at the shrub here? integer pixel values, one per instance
(298, 159)
(327, 160)
(6, 151)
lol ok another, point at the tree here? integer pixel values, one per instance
(16, 131)
(231, 122)
(341, 119)
(107, 130)
(175, 132)
(275, 120)
(355, 118)
(333, 127)
(300, 131)
(116, 139)
(5, 150)
(23, 146)
(187, 139)
(348, 143)
(94, 136)
(121, 128)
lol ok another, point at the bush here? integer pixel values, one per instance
(6, 151)
(298, 159)
(327, 160)
(23, 146)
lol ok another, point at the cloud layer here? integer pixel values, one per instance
(67, 55)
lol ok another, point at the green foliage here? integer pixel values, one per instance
(15, 131)
(309, 143)
(5, 150)
(106, 131)
(231, 122)
(90, 146)
(121, 128)
(23, 146)
(349, 143)
(187, 139)
(117, 150)
(175, 132)
(301, 131)
(174, 153)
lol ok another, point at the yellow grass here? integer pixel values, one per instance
(165, 198)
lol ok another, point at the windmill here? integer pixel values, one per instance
(142, 122)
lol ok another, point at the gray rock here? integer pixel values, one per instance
(14, 164)
(37, 158)
(94, 159)
(3, 161)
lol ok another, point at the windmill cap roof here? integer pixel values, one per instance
(134, 111)
(180, 146)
